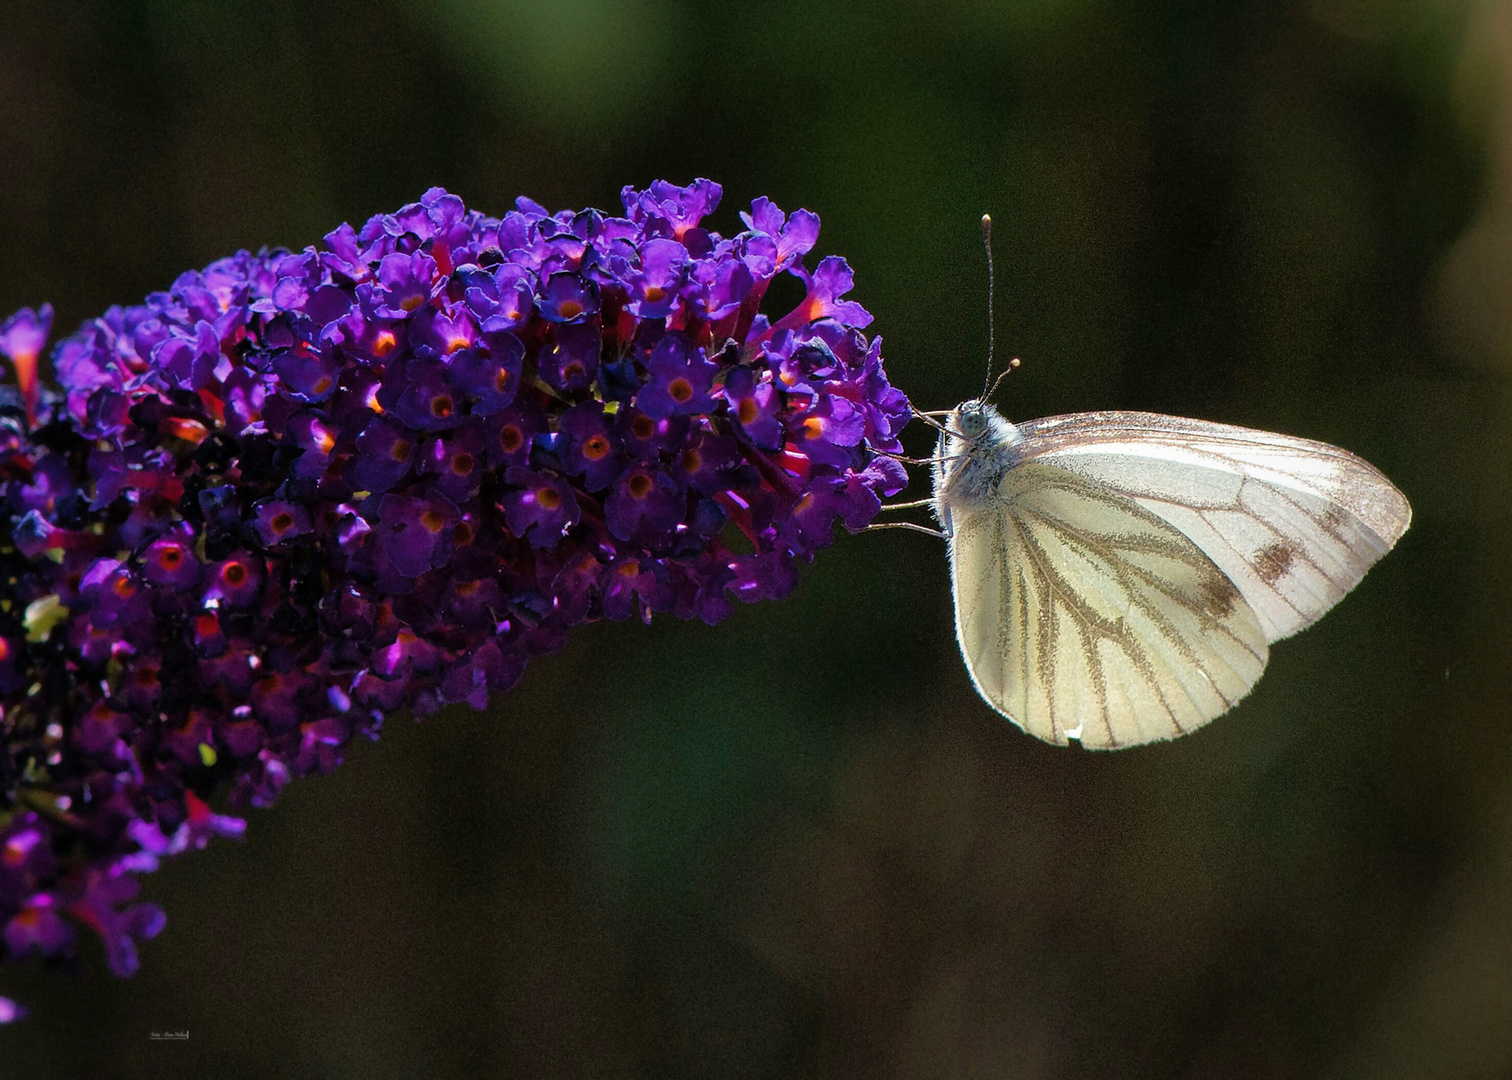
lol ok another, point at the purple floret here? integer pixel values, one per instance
(385, 454)
(279, 521)
(489, 375)
(593, 449)
(568, 298)
(404, 284)
(570, 362)
(644, 507)
(680, 379)
(654, 290)
(23, 334)
(539, 508)
(416, 532)
(296, 492)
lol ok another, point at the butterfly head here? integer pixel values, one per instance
(974, 419)
(978, 431)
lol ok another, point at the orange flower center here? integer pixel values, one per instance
(186, 429)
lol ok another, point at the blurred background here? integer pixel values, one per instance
(797, 844)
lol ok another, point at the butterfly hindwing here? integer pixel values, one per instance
(1082, 614)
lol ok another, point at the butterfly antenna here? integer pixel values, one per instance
(991, 337)
(1002, 375)
(988, 391)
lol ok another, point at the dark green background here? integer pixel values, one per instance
(797, 845)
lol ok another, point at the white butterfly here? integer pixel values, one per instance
(1118, 576)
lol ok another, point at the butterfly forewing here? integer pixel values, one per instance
(1293, 523)
(1082, 614)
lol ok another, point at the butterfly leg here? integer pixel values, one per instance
(903, 525)
(928, 418)
(905, 459)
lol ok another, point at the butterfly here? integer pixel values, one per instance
(1119, 577)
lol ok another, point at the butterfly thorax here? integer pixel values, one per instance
(980, 447)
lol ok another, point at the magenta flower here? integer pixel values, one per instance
(22, 338)
(296, 492)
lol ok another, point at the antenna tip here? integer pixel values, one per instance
(986, 222)
(1013, 363)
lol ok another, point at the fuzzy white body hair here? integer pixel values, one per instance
(971, 460)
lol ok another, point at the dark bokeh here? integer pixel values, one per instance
(797, 845)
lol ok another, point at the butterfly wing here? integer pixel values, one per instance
(1293, 523)
(1082, 614)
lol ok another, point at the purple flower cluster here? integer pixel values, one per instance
(298, 491)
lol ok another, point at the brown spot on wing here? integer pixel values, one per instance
(1273, 560)
(1218, 595)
